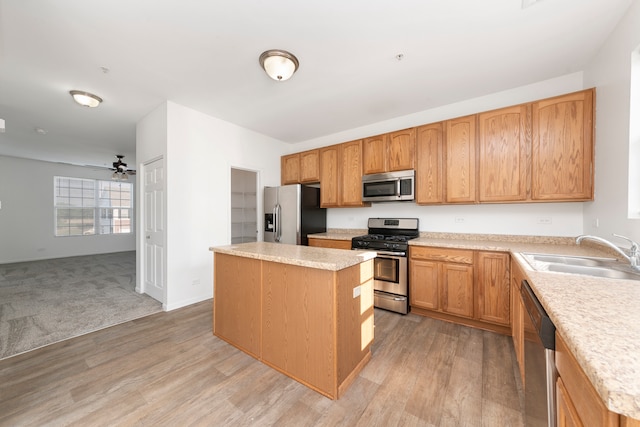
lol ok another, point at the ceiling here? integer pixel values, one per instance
(204, 55)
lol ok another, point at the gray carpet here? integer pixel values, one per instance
(43, 302)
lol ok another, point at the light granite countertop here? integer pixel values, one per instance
(598, 318)
(305, 256)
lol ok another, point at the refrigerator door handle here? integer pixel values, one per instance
(277, 232)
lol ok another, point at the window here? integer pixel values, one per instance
(634, 137)
(88, 207)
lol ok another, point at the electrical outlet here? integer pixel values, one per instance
(544, 220)
(356, 292)
(195, 282)
(459, 220)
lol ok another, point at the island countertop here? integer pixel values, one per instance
(304, 256)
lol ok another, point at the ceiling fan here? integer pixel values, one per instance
(120, 171)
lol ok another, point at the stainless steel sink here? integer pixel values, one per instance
(609, 268)
(571, 260)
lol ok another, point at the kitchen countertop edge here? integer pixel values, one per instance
(303, 256)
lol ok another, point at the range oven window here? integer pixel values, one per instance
(386, 269)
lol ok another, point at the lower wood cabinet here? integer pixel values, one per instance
(578, 402)
(314, 325)
(463, 286)
(517, 316)
(330, 243)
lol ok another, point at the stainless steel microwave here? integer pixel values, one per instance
(388, 187)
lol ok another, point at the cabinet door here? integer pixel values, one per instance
(401, 151)
(423, 283)
(351, 174)
(503, 147)
(517, 319)
(492, 286)
(290, 169)
(429, 141)
(566, 416)
(457, 289)
(562, 148)
(374, 154)
(461, 160)
(310, 166)
(329, 176)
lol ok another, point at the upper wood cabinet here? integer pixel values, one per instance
(310, 166)
(300, 168)
(329, 176)
(351, 174)
(341, 175)
(460, 149)
(503, 154)
(393, 151)
(290, 169)
(536, 152)
(429, 164)
(562, 148)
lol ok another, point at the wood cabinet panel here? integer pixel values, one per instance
(401, 151)
(579, 390)
(423, 282)
(429, 164)
(567, 416)
(493, 286)
(329, 176)
(460, 256)
(298, 306)
(461, 159)
(290, 169)
(457, 289)
(562, 148)
(517, 319)
(503, 154)
(374, 154)
(330, 243)
(237, 283)
(351, 174)
(310, 166)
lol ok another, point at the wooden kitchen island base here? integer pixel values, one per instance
(311, 320)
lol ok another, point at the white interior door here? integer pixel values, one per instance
(154, 230)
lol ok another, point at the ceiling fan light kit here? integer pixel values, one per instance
(85, 99)
(279, 64)
(120, 171)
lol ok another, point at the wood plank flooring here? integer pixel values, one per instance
(169, 370)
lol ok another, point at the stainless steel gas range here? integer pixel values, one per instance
(389, 238)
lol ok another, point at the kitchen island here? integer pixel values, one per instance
(306, 312)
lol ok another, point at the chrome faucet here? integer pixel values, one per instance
(634, 251)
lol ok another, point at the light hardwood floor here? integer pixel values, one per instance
(169, 369)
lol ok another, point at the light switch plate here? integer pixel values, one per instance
(356, 292)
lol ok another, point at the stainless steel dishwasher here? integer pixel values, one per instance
(539, 362)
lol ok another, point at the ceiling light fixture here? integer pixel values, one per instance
(279, 64)
(85, 99)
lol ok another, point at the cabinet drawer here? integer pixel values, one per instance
(459, 256)
(584, 397)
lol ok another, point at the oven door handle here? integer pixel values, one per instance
(395, 254)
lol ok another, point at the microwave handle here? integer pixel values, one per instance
(398, 187)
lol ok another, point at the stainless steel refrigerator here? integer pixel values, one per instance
(291, 213)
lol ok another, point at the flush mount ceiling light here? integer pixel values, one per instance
(85, 99)
(279, 64)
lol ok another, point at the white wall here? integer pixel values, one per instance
(610, 72)
(27, 217)
(546, 219)
(200, 152)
